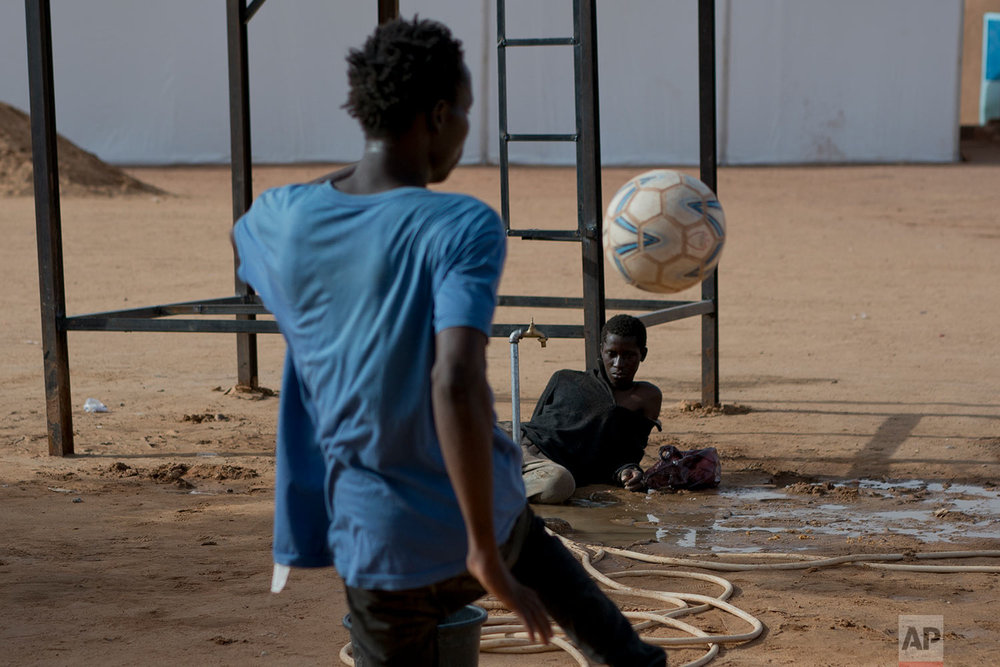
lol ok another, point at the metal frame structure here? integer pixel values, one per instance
(588, 185)
(245, 306)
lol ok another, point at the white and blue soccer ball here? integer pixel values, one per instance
(664, 231)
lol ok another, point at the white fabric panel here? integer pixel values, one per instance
(13, 59)
(146, 82)
(298, 74)
(649, 81)
(649, 93)
(140, 82)
(136, 82)
(845, 81)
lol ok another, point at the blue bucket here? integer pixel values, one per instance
(457, 638)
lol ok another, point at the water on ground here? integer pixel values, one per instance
(800, 516)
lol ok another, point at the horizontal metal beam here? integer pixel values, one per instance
(252, 9)
(538, 41)
(646, 304)
(263, 326)
(540, 137)
(223, 309)
(545, 234)
(147, 318)
(577, 302)
(182, 326)
(167, 310)
(677, 313)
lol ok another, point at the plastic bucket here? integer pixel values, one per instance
(457, 638)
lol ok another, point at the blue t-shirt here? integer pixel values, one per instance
(359, 286)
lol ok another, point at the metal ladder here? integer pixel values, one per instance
(588, 179)
(586, 136)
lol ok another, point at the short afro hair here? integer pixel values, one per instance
(403, 69)
(625, 326)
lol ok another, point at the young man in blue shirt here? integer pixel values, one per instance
(390, 465)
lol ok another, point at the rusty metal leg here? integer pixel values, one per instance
(48, 223)
(709, 169)
(239, 128)
(710, 345)
(588, 176)
(387, 10)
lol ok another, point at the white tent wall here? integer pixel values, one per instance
(845, 81)
(800, 81)
(648, 81)
(141, 82)
(135, 82)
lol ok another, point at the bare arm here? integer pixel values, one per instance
(648, 399)
(463, 417)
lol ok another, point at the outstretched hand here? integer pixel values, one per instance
(632, 479)
(496, 578)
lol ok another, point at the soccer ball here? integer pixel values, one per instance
(664, 231)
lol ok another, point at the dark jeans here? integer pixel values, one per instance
(398, 627)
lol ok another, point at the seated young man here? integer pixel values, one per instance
(592, 427)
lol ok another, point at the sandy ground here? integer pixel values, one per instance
(859, 313)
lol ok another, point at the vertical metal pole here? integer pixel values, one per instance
(515, 387)
(48, 225)
(484, 86)
(710, 286)
(239, 131)
(502, 113)
(588, 174)
(387, 10)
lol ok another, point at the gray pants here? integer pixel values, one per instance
(545, 481)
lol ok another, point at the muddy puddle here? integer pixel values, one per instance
(800, 516)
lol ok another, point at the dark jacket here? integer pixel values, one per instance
(577, 424)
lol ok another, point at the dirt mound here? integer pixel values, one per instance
(200, 417)
(80, 173)
(175, 473)
(222, 472)
(712, 410)
(828, 488)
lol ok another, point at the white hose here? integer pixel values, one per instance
(509, 627)
(808, 562)
(505, 634)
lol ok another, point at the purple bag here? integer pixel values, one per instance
(691, 469)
